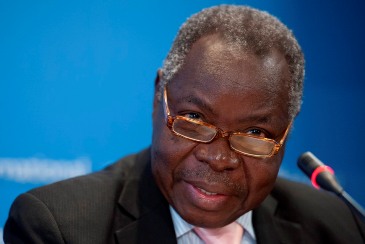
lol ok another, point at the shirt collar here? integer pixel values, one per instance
(182, 227)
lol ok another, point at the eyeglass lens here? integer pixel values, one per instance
(241, 143)
(193, 130)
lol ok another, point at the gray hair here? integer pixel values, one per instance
(247, 28)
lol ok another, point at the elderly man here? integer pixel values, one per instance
(225, 100)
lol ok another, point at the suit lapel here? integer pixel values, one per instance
(270, 228)
(150, 219)
(153, 227)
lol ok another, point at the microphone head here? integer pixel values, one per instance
(308, 163)
(319, 174)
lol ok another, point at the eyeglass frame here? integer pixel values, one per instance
(169, 119)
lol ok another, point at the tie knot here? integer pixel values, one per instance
(231, 234)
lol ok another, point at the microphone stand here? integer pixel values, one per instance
(357, 209)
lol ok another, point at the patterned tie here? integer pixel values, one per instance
(229, 234)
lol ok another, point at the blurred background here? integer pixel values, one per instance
(76, 85)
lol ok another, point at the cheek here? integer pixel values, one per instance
(168, 151)
(262, 176)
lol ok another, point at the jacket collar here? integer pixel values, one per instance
(271, 228)
(142, 200)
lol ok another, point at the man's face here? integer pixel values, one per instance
(211, 185)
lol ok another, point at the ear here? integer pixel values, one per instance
(158, 80)
(157, 93)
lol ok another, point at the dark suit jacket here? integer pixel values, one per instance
(122, 204)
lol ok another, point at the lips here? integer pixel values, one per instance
(204, 196)
(210, 188)
(206, 192)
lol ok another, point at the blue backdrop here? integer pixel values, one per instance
(76, 85)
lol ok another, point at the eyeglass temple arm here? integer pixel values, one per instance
(286, 133)
(165, 106)
(280, 144)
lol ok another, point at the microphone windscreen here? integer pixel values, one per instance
(307, 162)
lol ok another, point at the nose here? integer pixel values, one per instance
(218, 155)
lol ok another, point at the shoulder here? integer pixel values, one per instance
(306, 201)
(74, 207)
(301, 197)
(320, 213)
(291, 190)
(101, 185)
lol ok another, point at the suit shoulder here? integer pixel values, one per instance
(81, 207)
(318, 211)
(102, 184)
(297, 213)
(299, 196)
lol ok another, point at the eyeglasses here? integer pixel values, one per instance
(203, 132)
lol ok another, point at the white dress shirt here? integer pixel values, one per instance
(185, 234)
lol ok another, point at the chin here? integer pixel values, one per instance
(208, 219)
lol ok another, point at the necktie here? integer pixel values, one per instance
(229, 234)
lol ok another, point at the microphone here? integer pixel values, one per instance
(323, 176)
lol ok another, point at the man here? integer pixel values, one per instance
(225, 100)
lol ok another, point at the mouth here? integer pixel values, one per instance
(210, 188)
(205, 196)
(206, 192)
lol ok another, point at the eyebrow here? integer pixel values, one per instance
(259, 119)
(199, 102)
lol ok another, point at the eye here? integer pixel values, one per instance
(192, 115)
(257, 132)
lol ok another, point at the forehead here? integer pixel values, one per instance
(214, 69)
(212, 59)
